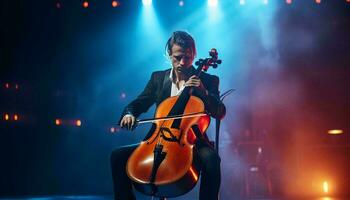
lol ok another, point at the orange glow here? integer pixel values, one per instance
(7, 85)
(58, 122)
(289, 1)
(7, 117)
(15, 117)
(78, 122)
(318, 1)
(115, 4)
(348, 1)
(194, 173)
(335, 132)
(85, 4)
(325, 187)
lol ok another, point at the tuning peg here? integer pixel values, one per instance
(213, 52)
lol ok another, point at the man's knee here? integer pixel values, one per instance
(118, 156)
(121, 154)
(210, 159)
(213, 162)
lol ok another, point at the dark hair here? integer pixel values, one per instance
(183, 39)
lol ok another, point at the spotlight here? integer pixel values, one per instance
(212, 3)
(147, 2)
(7, 85)
(85, 4)
(318, 1)
(181, 3)
(289, 1)
(265, 2)
(242, 2)
(17, 86)
(15, 117)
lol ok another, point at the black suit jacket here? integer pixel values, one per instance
(158, 89)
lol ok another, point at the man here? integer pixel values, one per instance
(163, 84)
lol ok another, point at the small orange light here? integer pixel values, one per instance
(7, 85)
(58, 122)
(78, 122)
(15, 117)
(335, 132)
(325, 187)
(85, 4)
(115, 4)
(318, 1)
(7, 117)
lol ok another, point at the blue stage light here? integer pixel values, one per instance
(181, 3)
(212, 3)
(147, 2)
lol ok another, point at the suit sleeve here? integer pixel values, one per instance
(144, 101)
(212, 101)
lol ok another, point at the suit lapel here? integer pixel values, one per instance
(166, 86)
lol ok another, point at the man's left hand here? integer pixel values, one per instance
(194, 81)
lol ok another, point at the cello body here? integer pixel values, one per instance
(164, 164)
(177, 173)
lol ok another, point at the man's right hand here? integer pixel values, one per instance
(128, 122)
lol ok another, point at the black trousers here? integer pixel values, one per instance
(209, 163)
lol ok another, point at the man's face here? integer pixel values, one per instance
(181, 59)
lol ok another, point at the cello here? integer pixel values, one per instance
(163, 165)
